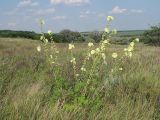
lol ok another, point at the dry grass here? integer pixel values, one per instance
(26, 78)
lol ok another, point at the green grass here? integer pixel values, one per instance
(27, 90)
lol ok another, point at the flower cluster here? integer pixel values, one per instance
(128, 51)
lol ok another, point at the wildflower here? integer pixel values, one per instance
(49, 32)
(120, 69)
(42, 22)
(90, 44)
(38, 48)
(51, 56)
(130, 48)
(112, 70)
(77, 75)
(125, 49)
(130, 54)
(114, 31)
(73, 60)
(97, 50)
(46, 40)
(114, 55)
(103, 56)
(106, 30)
(57, 51)
(102, 47)
(132, 44)
(105, 41)
(110, 18)
(93, 52)
(137, 39)
(71, 46)
(83, 69)
(42, 37)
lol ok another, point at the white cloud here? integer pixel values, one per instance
(59, 18)
(101, 15)
(11, 12)
(136, 11)
(35, 4)
(85, 14)
(118, 10)
(25, 3)
(12, 24)
(45, 12)
(69, 2)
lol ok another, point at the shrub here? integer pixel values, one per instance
(90, 74)
(152, 36)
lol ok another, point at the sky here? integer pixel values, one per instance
(78, 15)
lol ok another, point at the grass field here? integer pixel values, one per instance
(27, 85)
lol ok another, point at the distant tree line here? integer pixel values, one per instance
(151, 36)
(19, 34)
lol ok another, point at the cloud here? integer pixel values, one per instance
(45, 12)
(69, 2)
(11, 12)
(25, 3)
(59, 18)
(101, 15)
(12, 24)
(118, 10)
(85, 14)
(136, 11)
(35, 4)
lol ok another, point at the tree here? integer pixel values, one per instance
(96, 36)
(152, 36)
(71, 36)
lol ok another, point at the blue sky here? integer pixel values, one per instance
(79, 15)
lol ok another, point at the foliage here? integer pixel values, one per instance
(71, 36)
(152, 36)
(19, 34)
(79, 81)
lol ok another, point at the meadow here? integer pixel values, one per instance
(33, 89)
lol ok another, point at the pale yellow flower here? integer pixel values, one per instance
(90, 44)
(71, 46)
(97, 50)
(46, 40)
(57, 51)
(137, 39)
(114, 31)
(42, 22)
(130, 54)
(132, 44)
(93, 52)
(130, 48)
(103, 56)
(49, 32)
(73, 60)
(38, 48)
(120, 69)
(77, 75)
(112, 70)
(106, 30)
(83, 69)
(125, 49)
(42, 37)
(114, 55)
(110, 18)
(105, 41)
(51, 56)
